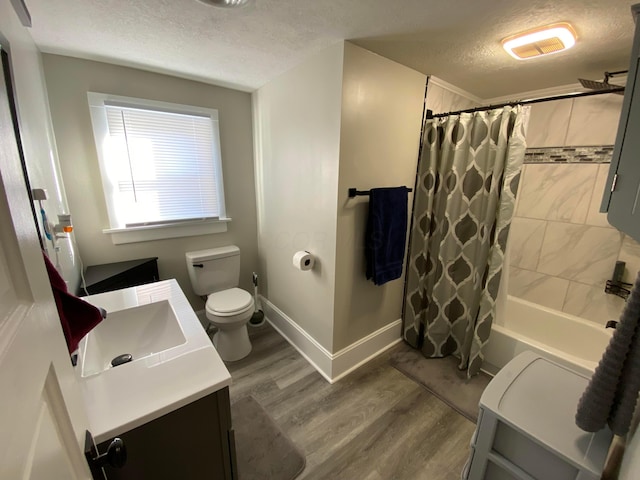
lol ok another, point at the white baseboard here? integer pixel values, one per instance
(307, 346)
(332, 366)
(357, 354)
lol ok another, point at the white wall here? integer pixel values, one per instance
(379, 139)
(68, 81)
(36, 130)
(297, 121)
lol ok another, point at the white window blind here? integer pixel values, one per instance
(162, 166)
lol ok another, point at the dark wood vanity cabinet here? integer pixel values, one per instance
(195, 441)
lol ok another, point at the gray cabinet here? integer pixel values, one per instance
(526, 428)
(622, 194)
(195, 441)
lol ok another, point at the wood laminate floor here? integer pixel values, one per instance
(374, 424)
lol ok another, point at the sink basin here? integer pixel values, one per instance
(142, 331)
(174, 362)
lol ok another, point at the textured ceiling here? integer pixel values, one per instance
(456, 40)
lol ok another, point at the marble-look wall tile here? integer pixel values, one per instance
(594, 217)
(594, 120)
(580, 253)
(523, 176)
(579, 247)
(441, 100)
(449, 100)
(557, 192)
(525, 242)
(453, 102)
(591, 303)
(630, 254)
(548, 123)
(575, 154)
(537, 288)
(463, 103)
(434, 98)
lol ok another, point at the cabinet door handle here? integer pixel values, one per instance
(116, 455)
(232, 453)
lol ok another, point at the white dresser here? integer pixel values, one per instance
(526, 428)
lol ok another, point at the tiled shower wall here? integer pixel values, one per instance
(561, 249)
(441, 99)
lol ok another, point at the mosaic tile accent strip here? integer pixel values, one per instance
(590, 154)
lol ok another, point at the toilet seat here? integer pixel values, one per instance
(228, 303)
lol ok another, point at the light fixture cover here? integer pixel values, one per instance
(540, 41)
(226, 3)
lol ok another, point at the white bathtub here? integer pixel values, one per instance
(566, 339)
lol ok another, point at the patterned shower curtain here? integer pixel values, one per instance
(468, 175)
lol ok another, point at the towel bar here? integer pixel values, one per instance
(354, 192)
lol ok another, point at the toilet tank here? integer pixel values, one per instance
(219, 270)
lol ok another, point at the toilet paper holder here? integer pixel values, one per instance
(303, 260)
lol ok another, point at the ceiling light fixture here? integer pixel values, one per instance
(226, 3)
(540, 41)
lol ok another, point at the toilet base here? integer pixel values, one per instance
(232, 345)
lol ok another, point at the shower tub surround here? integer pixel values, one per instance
(561, 248)
(571, 341)
(561, 252)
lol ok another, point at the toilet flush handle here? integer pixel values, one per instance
(198, 265)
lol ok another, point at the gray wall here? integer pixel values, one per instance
(68, 80)
(379, 138)
(297, 148)
(345, 117)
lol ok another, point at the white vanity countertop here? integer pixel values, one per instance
(133, 394)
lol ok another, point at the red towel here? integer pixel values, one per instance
(77, 317)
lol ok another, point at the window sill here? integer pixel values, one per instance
(161, 232)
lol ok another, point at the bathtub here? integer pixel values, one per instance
(566, 339)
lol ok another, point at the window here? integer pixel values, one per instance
(161, 168)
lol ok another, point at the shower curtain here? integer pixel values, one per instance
(468, 174)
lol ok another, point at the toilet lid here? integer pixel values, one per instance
(228, 301)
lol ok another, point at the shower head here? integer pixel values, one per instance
(595, 85)
(604, 85)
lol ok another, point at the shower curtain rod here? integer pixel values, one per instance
(526, 102)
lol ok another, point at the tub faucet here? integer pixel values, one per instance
(616, 286)
(618, 289)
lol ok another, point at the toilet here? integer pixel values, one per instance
(215, 273)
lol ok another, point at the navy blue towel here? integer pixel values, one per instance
(386, 234)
